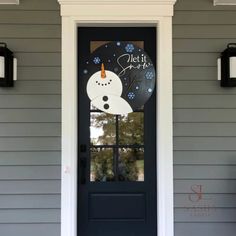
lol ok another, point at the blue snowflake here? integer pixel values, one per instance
(131, 95)
(96, 60)
(129, 47)
(149, 75)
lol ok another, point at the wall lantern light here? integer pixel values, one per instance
(227, 66)
(8, 66)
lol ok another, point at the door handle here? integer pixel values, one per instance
(83, 165)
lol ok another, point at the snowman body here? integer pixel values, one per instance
(105, 93)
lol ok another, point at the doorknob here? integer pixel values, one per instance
(83, 165)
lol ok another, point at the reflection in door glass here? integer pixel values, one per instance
(101, 165)
(131, 128)
(102, 128)
(131, 164)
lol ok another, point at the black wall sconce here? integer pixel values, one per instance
(227, 66)
(8, 66)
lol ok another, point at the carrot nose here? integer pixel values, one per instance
(103, 73)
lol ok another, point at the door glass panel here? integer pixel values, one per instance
(117, 141)
(102, 128)
(131, 164)
(101, 165)
(96, 44)
(131, 129)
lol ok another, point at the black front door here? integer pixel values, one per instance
(116, 153)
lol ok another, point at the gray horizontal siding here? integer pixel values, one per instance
(200, 45)
(30, 144)
(29, 172)
(39, 73)
(30, 17)
(203, 229)
(204, 121)
(205, 101)
(209, 186)
(33, 5)
(205, 143)
(15, 158)
(199, 59)
(30, 101)
(220, 201)
(207, 114)
(30, 121)
(204, 129)
(30, 229)
(33, 45)
(33, 87)
(30, 201)
(29, 187)
(200, 5)
(226, 215)
(30, 130)
(38, 59)
(200, 88)
(192, 73)
(30, 31)
(24, 115)
(29, 216)
(204, 31)
(196, 17)
(204, 172)
(205, 157)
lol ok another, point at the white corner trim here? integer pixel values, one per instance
(224, 2)
(16, 2)
(79, 14)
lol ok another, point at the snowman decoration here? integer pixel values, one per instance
(120, 77)
(104, 89)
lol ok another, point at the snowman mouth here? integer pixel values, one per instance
(103, 84)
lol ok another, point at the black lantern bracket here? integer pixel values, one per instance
(226, 66)
(8, 66)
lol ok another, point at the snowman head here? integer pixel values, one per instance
(104, 82)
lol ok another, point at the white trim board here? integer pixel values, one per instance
(16, 2)
(224, 2)
(78, 13)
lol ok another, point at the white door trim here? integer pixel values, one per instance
(80, 13)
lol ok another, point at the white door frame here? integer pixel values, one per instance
(123, 13)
